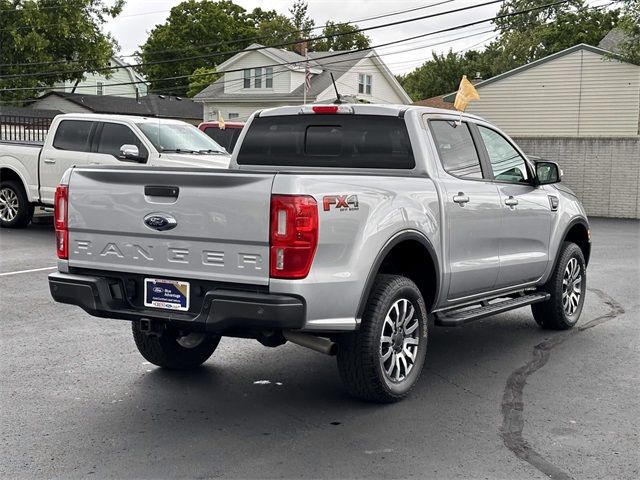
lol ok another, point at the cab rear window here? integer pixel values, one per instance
(341, 141)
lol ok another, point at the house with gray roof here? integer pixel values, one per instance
(263, 77)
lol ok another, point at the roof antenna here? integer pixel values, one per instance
(338, 96)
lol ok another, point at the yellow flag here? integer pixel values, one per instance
(221, 124)
(466, 93)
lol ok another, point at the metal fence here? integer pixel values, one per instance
(19, 128)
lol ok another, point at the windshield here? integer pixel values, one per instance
(175, 137)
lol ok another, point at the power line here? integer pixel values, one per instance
(282, 44)
(293, 32)
(249, 39)
(449, 29)
(284, 69)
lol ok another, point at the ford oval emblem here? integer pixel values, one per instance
(160, 221)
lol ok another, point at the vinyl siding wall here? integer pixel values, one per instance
(234, 81)
(579, 94)
(88, 86)
(381, 89)
(244, 110)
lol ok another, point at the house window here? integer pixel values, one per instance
(247, 78)
(257, 82)
(99, 88)
(233, 115)
(268, 83)
(364, 84)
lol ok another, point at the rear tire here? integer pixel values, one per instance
(174, 350)
(383, 360)
(15, 209)
(567, 287)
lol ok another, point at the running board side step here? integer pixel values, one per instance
(455, 318)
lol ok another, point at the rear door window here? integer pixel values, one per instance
(114, 135)
(340, 141)
(227, 137)
(73, 135)
(456, 148)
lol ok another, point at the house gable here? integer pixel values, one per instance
(234, 80)
(384, 87)
(121, 82)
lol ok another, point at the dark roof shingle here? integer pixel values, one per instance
(148, 106)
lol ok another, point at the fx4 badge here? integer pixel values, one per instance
(340, 202)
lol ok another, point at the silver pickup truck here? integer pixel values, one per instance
(348, 229)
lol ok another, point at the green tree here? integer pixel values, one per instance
(300, 19)
(342, 36)
(200, 79)
(529, 37)
(273, 28)
(522, 40)
(194, 29)
(62, 38)
(629, 47)
(347, 39)
(437, 76)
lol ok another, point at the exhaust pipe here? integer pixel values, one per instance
(319, 344)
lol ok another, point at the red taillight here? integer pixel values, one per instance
(61, 214)
(325, 109)
(294, 235)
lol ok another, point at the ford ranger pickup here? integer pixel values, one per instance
(30, 172)
(349, 229)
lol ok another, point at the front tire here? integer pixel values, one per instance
(567, 287)
(173, 349)
(383, 360)
(15, 210)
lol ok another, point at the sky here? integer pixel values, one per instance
(139, 17)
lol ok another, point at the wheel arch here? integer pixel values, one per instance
(10, 173)
(408, 253)
(577, 232)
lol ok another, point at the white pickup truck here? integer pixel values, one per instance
(30, 172)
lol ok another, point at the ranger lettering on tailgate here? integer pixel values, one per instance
(133, 251)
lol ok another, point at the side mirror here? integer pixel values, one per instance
(130, 152)
(548, 172)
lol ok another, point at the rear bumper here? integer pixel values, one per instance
(221, 310)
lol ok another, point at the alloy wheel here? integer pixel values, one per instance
(571, 286)
(399, 340)
(9, 205)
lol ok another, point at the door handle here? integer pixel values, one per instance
(460, 198)
(511, 202)
(161, 191)
(49, 160)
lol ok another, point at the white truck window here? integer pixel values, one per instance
(114, 135)
(73, 135)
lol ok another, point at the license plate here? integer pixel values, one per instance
(166, 294)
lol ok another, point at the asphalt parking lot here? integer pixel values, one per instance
(499, 398)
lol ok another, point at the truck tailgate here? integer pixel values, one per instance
(118, 219)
